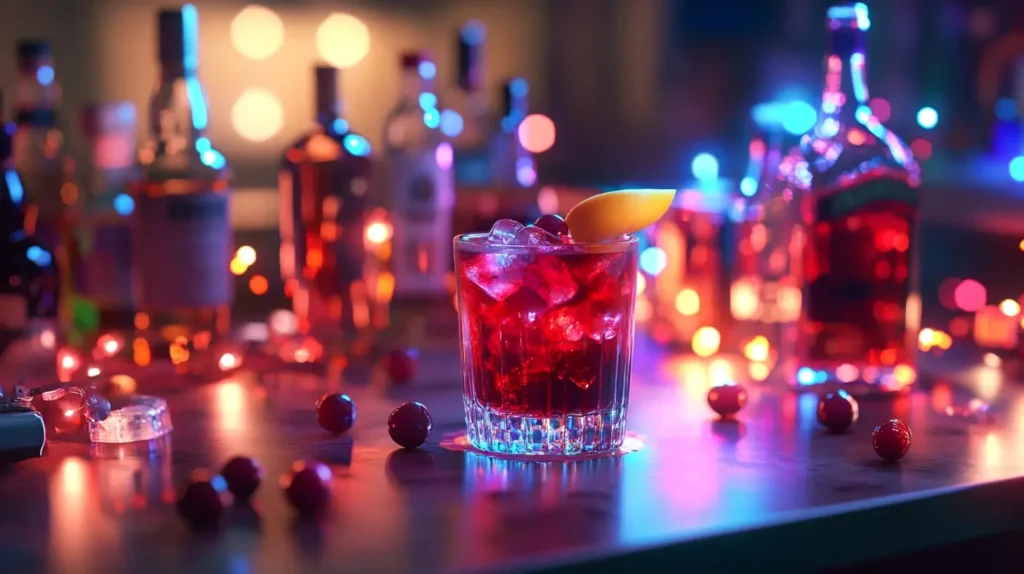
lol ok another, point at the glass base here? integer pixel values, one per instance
(596, 432)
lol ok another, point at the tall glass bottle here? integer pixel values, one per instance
(323, 182)
(852, 190)
(420, 184)
(38, 144)
(181, 231)
(98, 228)
(28, 279)
(514, 166)
(473, 144)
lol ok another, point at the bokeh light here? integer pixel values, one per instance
(257, 115)
(246, 254)
(922, 149)
(343, 40)
(1010, 308)
(881, 109)
(1017, 168)
(706, 341)
(704, 167)
(259, 285)
(537, 133)
(257, 32)
(970, 295)
(927, 117)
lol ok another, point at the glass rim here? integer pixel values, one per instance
(464, 242)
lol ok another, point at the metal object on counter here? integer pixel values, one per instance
(22, 432)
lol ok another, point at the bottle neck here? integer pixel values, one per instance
(326, 103)
(846, 87)
(171, 71)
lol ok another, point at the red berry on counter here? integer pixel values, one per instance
(409, 425)
(307, 487)
(891, 439)
(553, 224)
(243, 476)
(837, 411)
(204, 499)
(727, 400)
(402, 364)
(336, 412)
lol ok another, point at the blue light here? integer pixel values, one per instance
(340, 126)
(748, 186)
(213, 158)
(124, 204)
(428, 70)
(197, 101)
(432, 118)
(1006, 109)
(190, 36)
(14, 187)
(203, 145)
(704, 167)
(798, 117)
(653, 260)
(451, 123)
(1017, 168)
(806, 376)
(526, 173)
(45, 75)
(428, 101)
(927, 117)
(473, 32)
(861, 10)
(519, 88)
(356, 145)
(39, 256)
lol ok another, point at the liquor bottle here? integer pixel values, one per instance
(420, 185)
(474, 171)
(514, 166)
(854, 190)
(38, 144)
(28, 279)
(98, 228)
(323, 183)
(181, 231)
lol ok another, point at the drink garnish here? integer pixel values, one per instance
(609, 216)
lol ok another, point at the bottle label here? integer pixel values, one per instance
(13, 312)
(105, 264)
(423, 191)
(183, 251)
(858, 273)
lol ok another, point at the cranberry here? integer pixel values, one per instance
(402, 364)
(308, 487)
(553, 224)
(336, 412)
(204, 499)
(891, 439)
(243, 476)
(727, 400)
(837, 411)
(409, 425)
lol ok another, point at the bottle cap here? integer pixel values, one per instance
(513, 92)
(326, 90)
(31, 49)
(171, 36)
(413, 58)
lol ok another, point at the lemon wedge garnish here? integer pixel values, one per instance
(610, 215)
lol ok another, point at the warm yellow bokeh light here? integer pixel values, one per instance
(687, 302)
(706, 341)
(257, 32)
(537, 133)
(246, 254)
(1010, 308)
(343, 40)
(257, 115)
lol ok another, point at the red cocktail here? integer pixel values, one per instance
(546, 328)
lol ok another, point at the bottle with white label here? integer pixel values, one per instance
(323, 183)
(28, 279)
(181, 229)
(421, 185)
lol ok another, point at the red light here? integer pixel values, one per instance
(881, 109)
(970, 295)
(922, 149)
